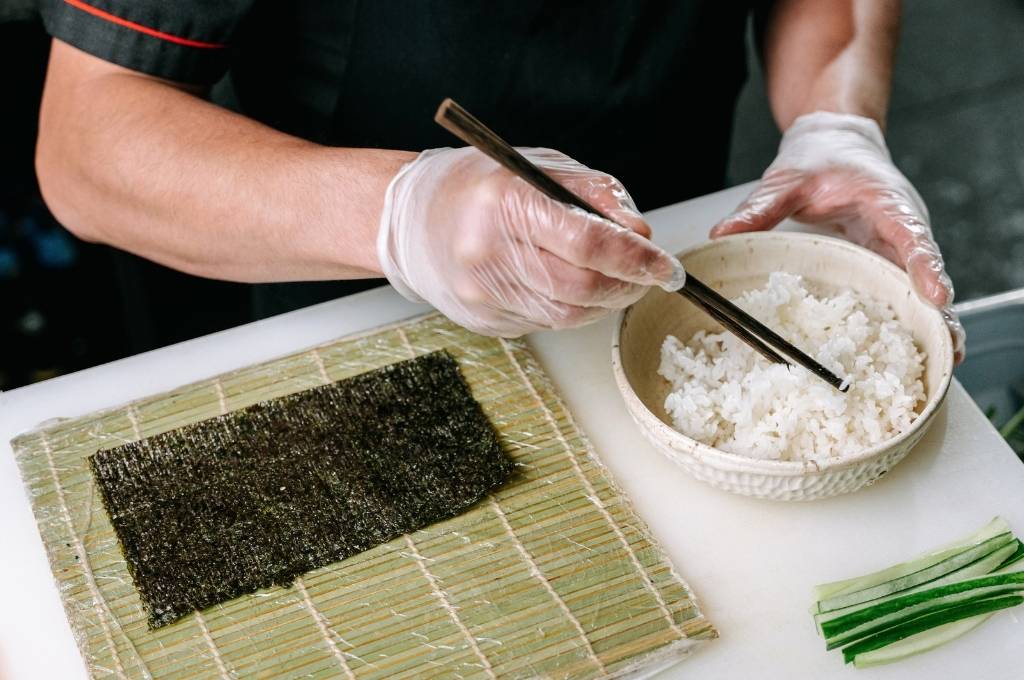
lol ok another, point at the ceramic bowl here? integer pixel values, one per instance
(737, 263)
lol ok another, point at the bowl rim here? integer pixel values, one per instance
(737, 462)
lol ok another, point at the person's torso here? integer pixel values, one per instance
(643, 90)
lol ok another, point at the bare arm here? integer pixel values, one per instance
(149, 167)
(830, 55)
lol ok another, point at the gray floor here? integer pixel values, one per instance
(956, 129)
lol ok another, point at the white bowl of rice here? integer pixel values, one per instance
(732, 419)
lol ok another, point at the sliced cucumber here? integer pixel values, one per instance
(894, 618)
(921, 604)
(915, 578)
(896, 603)
(923, 623)
(986, 565)
(1017, 556)
(919, 643)
(829, 590)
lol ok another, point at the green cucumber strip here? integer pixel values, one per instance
(895, 604)
(828, 590)
(923, 623)
(1017, 556)
(895, 618)
(918, 577)
(986, 565)
(921, 642)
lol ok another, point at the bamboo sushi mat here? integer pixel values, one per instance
(553, 575)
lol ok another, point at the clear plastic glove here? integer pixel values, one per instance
(834, 169)
(498, 257)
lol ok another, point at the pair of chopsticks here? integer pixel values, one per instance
(767, 342)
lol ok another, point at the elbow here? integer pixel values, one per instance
(60, 186)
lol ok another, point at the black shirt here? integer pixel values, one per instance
(642, 89)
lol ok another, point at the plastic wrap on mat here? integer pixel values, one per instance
(551, 575)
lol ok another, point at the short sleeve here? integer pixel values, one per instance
(186, 41)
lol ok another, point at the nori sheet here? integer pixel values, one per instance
(254, 498)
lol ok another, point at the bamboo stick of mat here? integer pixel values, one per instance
(770, 344)
(554, 575)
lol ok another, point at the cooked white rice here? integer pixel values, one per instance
(726, 395)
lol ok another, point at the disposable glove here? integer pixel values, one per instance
(499, 258)
(834, 169)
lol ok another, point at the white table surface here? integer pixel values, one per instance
(752, 563)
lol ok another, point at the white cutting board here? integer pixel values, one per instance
(752, 563)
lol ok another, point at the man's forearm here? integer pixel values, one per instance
(830, 55)
(147, 167)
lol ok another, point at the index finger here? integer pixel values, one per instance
(601, 190)
(596, 243)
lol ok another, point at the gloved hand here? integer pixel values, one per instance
(834, 169)
(498, 257)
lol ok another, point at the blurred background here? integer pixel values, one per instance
(956, 128)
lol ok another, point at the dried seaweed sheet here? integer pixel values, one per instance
(254, 498)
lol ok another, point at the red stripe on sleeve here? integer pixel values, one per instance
(95, 11)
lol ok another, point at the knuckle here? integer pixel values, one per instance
(589, 241)
(618, 191)
(587, 249)
(649, 256)
(604, 188)
(491, 189)
(613, 183)
(472, 251)
(637, 253)
(581, 287)
(470, 291)
(591, 283)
